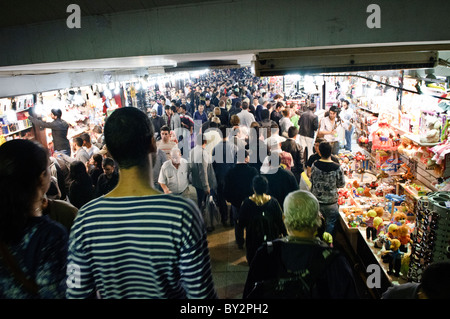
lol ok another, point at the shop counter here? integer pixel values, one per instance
(369, 255)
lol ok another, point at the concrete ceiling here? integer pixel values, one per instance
(15, 13)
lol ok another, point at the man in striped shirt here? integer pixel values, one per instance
(135, 242)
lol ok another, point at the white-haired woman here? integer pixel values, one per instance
(300, 265)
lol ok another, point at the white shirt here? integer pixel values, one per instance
(92, 150)
(246, 118)
(327, 125)
(285, 124)
(346, 115)
(177, 180)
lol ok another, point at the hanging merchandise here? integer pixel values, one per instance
(384, 138)
(431, 238)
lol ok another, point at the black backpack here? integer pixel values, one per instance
(290, 284)
(262, 228)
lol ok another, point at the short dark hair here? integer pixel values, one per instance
(86, 137)
(436, 280)
(78, 140)
(108, 161)
(165, 128)
(292, 131)
(325, 149)
(319, 140)
(334, 109)
(57, 113)
(260, 184)
(129, 137)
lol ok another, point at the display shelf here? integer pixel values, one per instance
(413, 192)
(18, 131)
(377, 253)
(416, 139)
(368, 110)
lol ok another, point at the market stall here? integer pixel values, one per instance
(398, 184)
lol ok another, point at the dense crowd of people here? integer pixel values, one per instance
(126, 212)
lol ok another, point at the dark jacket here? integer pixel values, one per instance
(224, 158)
(248, 213)
(292, 147)
(336, 282)
(238, 183)
(308, 124)
(105, 184)
(281, 183)
(59, 129)
(157, 122)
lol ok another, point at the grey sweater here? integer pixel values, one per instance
(326, 178)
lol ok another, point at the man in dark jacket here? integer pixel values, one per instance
(157, 122)
(308, 124)
(237, 187)
(281, 182)
(291, 146)
(224, 158)
(108, 180)
(59, 129)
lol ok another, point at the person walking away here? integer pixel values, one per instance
(33, 247)
(291, 146)
(261, 216)
(224, 158)
(301, 264)
(238, 186)
(202, 172)
(308, 124)
(114, 260)
(316, 156)
(81, 190)
(326, 178)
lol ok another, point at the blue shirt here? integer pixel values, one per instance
(42, 255)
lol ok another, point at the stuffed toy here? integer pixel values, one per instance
(399, 218)
(378, 225)
(371, 230)
(404, 237)
(392, 233)
(433, 134)
(394, 258)
(379, 210)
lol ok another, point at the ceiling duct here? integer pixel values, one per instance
(341, 60)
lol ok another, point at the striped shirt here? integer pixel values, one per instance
(139, 247)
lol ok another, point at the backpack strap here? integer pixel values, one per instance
(317, 266)
(13, 267)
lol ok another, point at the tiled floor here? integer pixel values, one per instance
(229, 264)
